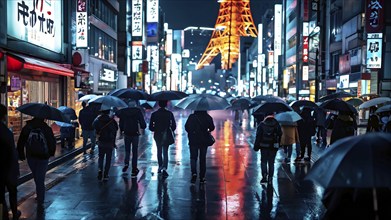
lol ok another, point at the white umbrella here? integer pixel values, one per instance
(108, 102)
(374, 102)
(87, 97)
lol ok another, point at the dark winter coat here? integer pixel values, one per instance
(161, 121)
(47, 131)
(306, 126)
(130, 119)
(268, 122)
(106, 129)
(86, 117)
(9, 166)
(344, 126)
(320, 117)
(197, 125)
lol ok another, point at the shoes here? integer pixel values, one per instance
(298, 159)
(164, 173)
(125, 168)
(105, 177)
(263, 180)
(193, 178)
(202, 180)
(135, 172)
(270, 180)
(307, 159)
(17, 215)
(99, 175)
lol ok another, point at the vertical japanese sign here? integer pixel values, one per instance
(38, 22)
(305, 73)
(374, 16)
(305, 49)
(137, 50)
(137, 18)
(277, 30)
(374, 50)
(81, 24)
(152, 11)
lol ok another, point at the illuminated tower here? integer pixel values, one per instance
(234, 20)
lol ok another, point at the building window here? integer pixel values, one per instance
(104, 12)
(102, 45)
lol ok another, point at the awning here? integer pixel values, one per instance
(16, 62)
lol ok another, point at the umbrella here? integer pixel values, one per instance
(241, 104)
(68, 112)
(355, 101)
(40, 110)
(87, 97)
(130, 94)
(338, 105)
(267, 98)
(341, 94)
(287, 118)
(374, 102)
(271, 107)
(108, 102)
(167, 95)
(147, 104)
(359, 162)
(300, 103)
(386, 108)
(203, 102)
(370, 96)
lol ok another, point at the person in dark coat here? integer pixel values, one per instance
(268, 135)
(86, 117)
(306, 128)
(373, 124)
(196, 126)
(106, 129)
(9, 167)
(131, 119)
(321, 133)
(344, 126)
(67, 136)
(163, 125)
(38, 165)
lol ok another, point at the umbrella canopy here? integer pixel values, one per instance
(355, 101)
(107, 102)
(69, 113)
(203, 102)
(40, 110)
(301, 103)
(271, 107)
(148, 104)
(287, 118)
(359, 162)
(129, 93)
(241, 104)
(87, 97)
(267, 98)
(374, 102)
(341, 94)
(386, 108)
(371, 96)
(63, 124)
(338, 105)
(167, 95)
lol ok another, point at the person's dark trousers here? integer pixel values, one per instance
(287, 150)
(2, 199)
(194, 152)
(131, 141)
(12, 193)
(323, 134)
(105, 150)
(92, 136)
(267, 162)
(306, 143)
(38, 168)
(162, 156)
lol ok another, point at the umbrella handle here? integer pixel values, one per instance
(375, 205)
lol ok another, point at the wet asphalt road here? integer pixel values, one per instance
(232, 191)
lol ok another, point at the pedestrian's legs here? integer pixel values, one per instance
(264, 157)
(324, 135)
(93, 139)
(128, 142)
(159, 155)
(134, 141)
(309, 148)
(165, 157)
(85, 139)
(303, 145)
(12, 193)
(39, 168)
(101, 157)
(2, 200)
(193, 158)
(271, 156)
(203, 151)
(289, 150)
(62, 142)
(297, 148)
(109, 154)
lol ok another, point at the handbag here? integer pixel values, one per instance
(168, 137)
(208, 138)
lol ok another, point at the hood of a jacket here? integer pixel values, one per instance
(270, 121)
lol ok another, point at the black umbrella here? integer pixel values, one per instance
(44, 111)
(267, 98)
(69, 113)
(385, 108)
(203, 102)
(241, 104)
(355, 101)
(301, 103)
(337, 95)
(338, 105)
(271, 107)
(130, 94)
(167, 95)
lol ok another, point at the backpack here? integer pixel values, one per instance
(269, 136)
(36, 145)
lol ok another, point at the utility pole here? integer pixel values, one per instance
(316, 75)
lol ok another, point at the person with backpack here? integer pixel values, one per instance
(86, 118)
(37, 144)
(106, 129)
(130, 120)
(163, 125)
(267, 138)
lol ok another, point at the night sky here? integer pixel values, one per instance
(180, 14)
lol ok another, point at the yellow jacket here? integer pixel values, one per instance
(290, 135)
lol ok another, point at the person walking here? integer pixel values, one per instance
(344, 126)
(131, 120)
(197, 126)
(321, 132)
(306, 128)
(290, 136)
(163, 125)
(37, 144)
(9, 167)
(267, 138)
(86, 118)
(106, 129)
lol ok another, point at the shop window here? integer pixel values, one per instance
(102, 45)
